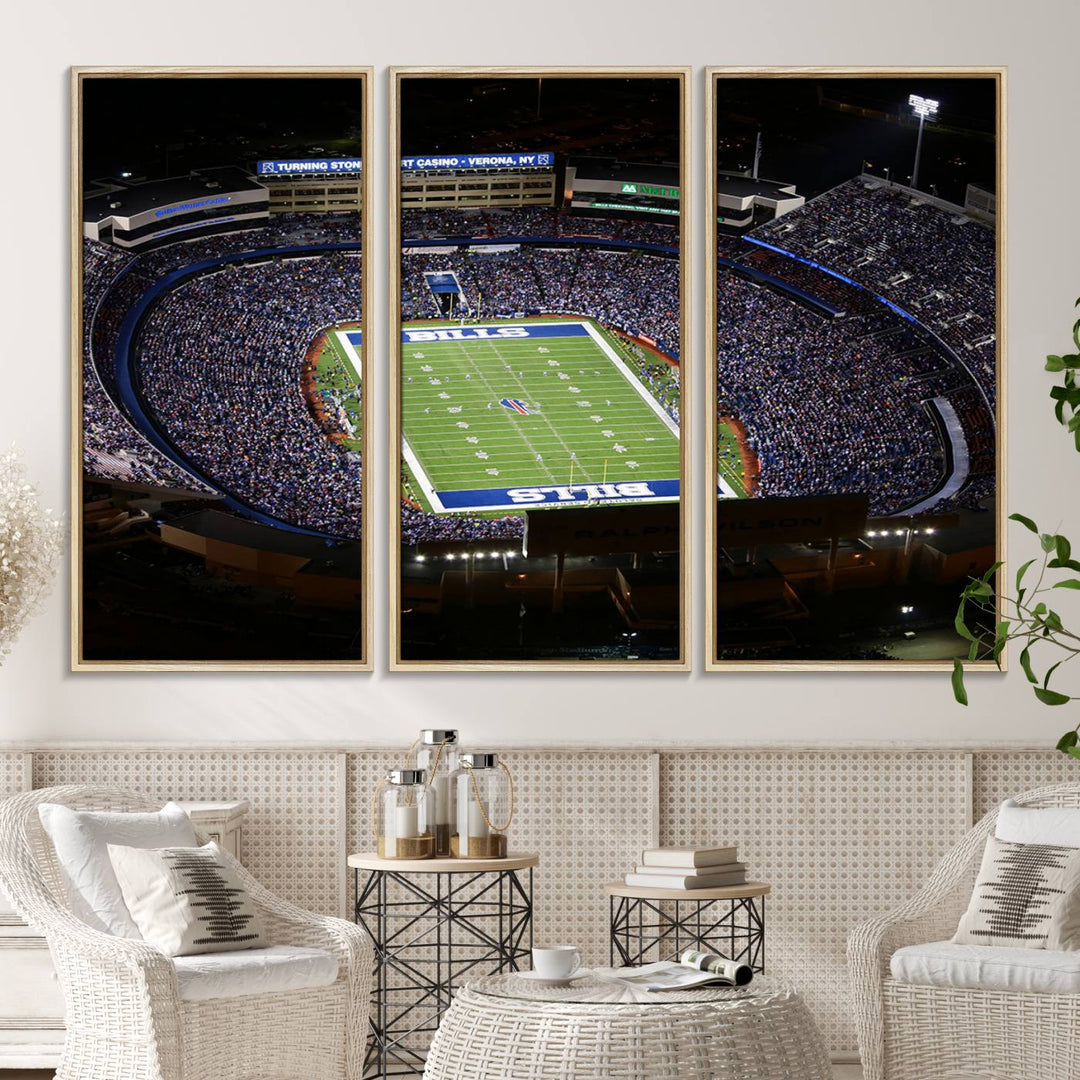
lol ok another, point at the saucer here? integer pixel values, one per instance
(546, 980)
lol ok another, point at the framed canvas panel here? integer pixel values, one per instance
(220, 368)
(855, 362)
(539, 402)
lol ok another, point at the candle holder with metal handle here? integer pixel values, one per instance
(485, 807)
(403, 811)
(437, 752)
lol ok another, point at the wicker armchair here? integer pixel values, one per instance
(124, 1016)
(911, 1032)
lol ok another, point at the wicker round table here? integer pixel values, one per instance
(504, 1027)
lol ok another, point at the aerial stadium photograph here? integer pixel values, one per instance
(218, 427)
(539, 508)
(857, 313)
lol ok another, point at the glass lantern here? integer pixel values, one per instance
(405, 816)
(484, 794)
(437, 754)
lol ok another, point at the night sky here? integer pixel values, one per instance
(632, 119)
(817, 132)
(156, 127)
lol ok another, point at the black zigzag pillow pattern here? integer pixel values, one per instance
(223, 912)
(187, 900)
(1025, 895)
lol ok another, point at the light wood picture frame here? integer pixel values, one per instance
(570, 598)
(906, 301)
(220, 396)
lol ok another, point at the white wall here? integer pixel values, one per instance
(40, 700)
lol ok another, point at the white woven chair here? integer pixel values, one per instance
(911, 1032)
(124, 1016)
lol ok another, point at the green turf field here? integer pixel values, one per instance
(590, 430)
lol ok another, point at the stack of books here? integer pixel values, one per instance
(694, 867)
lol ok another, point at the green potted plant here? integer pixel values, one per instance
(989, 621)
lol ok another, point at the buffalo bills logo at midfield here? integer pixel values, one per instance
(516, 405)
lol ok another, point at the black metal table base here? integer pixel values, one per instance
(426, 942)
(644, 931)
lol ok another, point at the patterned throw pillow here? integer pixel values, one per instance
(1026, 895)
(186, 900)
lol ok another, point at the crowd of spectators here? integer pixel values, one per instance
(934, 263)
(630, 291)
(416, 525)
(218, 365)
(113, 281)
(543, 221)
(112, 448)
(826, 410)
(841, 404)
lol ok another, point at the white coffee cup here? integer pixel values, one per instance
(556, 961)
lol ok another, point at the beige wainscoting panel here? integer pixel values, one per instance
(840, 835)
(14, 772)
(999, 775)
(291, 839)
(588, 814)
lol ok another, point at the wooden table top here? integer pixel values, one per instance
(516, 860)
(721, 892)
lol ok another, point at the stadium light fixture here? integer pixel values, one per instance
(925, 109)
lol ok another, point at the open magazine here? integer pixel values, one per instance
(692, 970)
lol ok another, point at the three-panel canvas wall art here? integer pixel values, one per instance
(539, 357)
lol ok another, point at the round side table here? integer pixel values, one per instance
(503, 1026)
(432, 921)
(729, 920)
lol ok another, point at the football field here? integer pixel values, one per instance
(513, 415)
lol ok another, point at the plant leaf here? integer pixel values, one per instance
(1025, 521)
(1050, 671)
(1068, 583)
(1051, 697)
(1048, 541)
(961, 626)
(1022, 571)
(1025, 663)
(958, 682)
(1070, 738)
(1074, 751)
(1064, 548)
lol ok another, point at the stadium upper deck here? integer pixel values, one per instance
(144, 215)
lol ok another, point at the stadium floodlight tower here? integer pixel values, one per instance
(925, 109)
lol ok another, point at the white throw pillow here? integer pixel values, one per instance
(187, 900)
(1057, 825)
(80, 839)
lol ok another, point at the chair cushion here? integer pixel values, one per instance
(1057, 825)
(988, 967)
(80, 839)
(253, 971)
